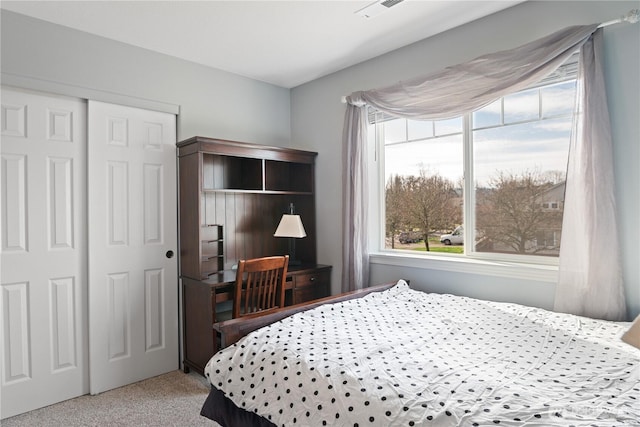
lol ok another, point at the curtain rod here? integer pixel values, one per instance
(631, 17)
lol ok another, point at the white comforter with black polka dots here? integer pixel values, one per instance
(408, 358)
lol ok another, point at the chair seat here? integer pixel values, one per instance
(221, 316)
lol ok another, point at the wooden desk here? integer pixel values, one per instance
(200, 298)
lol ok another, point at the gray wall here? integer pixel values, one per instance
(317, 124)
(41, 55)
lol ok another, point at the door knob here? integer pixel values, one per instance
(169, 254)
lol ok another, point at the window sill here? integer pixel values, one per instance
(514, 270)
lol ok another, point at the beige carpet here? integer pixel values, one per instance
(172, 399)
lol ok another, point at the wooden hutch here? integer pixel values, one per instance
(231, 198)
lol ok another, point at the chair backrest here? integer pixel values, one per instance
(259, 285)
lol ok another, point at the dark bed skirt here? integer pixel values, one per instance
(223, 411)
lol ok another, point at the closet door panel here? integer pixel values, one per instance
(43, 277)
(133, 293)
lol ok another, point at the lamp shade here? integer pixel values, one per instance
(290, 226)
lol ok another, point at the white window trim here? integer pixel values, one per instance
(496, 268)
(504, 265)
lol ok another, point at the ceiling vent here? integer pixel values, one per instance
(375, 9)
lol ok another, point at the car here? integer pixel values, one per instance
(456, 237)
(409, 237)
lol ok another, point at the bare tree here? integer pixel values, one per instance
(511, 214)
(395, 207)
(432, 203)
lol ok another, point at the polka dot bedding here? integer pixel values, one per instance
(407, 358)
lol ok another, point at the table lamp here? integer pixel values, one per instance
(291, 226)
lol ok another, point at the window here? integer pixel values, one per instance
(500, 171)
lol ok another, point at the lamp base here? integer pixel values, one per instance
(292, 252)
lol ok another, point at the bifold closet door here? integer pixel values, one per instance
(43, 284)
(133, 291)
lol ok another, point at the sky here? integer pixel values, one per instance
(531, 145)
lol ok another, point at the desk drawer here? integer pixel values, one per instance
(312, 279)
(311, 286)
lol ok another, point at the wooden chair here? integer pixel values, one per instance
(259, 285)
(259, 289)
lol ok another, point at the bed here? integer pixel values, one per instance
(401, 357)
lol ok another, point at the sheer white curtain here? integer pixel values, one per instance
(451, 92)
(590, 281)
(355, 248)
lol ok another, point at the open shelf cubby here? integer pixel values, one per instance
(220, 172)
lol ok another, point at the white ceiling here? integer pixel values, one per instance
(286, 43)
